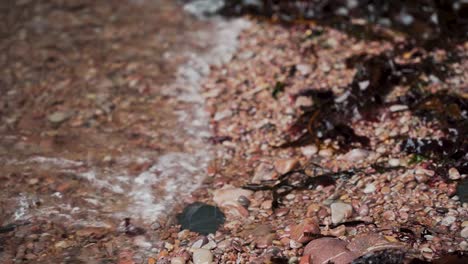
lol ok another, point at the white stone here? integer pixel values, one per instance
(370, 188)
(398, 108)
(340, 211)
(309, 151)
(202, 256)
(355, 155)
(448, 220)
(394, 162)
(454, 174)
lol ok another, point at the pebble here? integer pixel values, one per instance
(325, 153)
(338, 231)
(448, 220)
(340, 211)
(281, 211)
(309, 151)
(305, 231)
(286, 165)
(464, 232)
(385, 190)
(230, 196)
(265, 241)
(264, 172)
(58, 117)
(370, 188)
(394, 162)
(389, 215)
(355, 155)
(304, 69)
(178, 260)
(454, 174)
(398, 108)
(202, 256)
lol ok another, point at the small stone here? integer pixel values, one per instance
(454, 174)
(340, 211)
(244, 201)
(309, 151)
(267, 205)
(281, 211)
(62, 244)
(389, 215)
(370, 188)
(325, 67)
(398, 108)
(356, 155)
(385, 190)
(363, 210)
(286, 165)
(302, 101)
(325, 153)
(464, 232)
(178, 260)
(394, 162)
(304, 69)
(58, 117)
(230, 196)
(295, 244)
(202, 256)
(33, 181)
(305, 231)
(448, 220)
(265, 172)
(338, 231)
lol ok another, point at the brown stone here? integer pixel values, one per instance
(305, 231)
(283, 166)
(329, 250)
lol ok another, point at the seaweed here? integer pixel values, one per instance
(307, 178)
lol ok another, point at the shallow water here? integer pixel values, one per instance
(129, 147)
